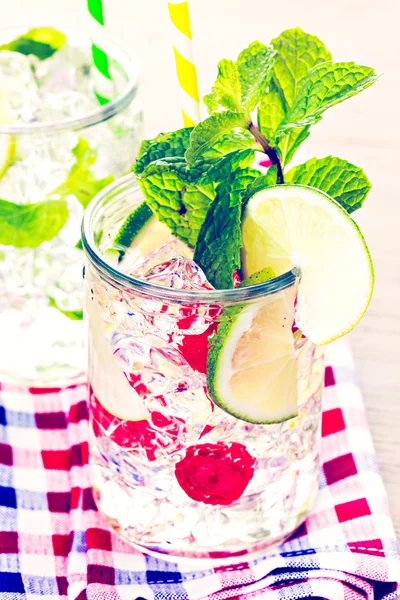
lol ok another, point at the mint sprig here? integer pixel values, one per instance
(81, 181)
(42, 42)
(29, 225)
(296, 53)
(323, 87)
(191, 178)
(206, 133)
(341, 180)
(164, 145)
(240, 85)
(219, 242)
(175, 199)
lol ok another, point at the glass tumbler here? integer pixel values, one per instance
(65, 157)
(174, 474)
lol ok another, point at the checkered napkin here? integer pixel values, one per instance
(53, 542)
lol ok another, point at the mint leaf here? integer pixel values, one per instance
(174, 200)
(226, 90)
(254, 65)
(240, 85)
(270, 115)
(195, 174)
(223, 168)
(218, 246)
(271, 112)
(206, 133)
(81, 182)
(43, 42)
(219, 242)
(74, 315)
(29, 225)
(164, 145)
(341, 180)
(228, 142)
(324, 86)
(289, 143)
(296, 53)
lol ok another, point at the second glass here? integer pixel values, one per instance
(175, 474)
(58, 148)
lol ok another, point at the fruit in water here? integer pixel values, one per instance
(251, 364)
(157, 436)
(215, 473)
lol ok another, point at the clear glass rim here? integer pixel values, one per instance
(130, 64)
(116, 277)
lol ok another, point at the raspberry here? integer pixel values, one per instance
(215, 473)
(194, 348)
(157, 435)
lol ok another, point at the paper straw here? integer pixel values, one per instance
(103, 81)
(185, 69)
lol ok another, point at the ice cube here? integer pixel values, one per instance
(178, 272)
(42, 165)
(134, 263)
(19, 86)
(67, 104)
(68, 69)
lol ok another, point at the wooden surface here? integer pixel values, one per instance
(364, 130)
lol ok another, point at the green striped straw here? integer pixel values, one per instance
(103, 81)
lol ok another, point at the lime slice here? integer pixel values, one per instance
(290, 226)
(142, 231)
(108, 381)
(8, 143)
(251, 365)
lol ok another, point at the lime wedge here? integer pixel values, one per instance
(290, 226)
(251, 365)
(142, 231)
(8, 144)
(108, 381)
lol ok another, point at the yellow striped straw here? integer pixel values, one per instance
(185, 69)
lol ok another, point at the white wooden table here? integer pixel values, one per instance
(364, 130)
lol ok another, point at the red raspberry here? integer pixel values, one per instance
(157, 434)
(194, 348)
(215, 473)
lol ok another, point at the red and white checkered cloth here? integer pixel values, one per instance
(53, 542)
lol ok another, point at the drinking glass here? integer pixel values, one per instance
(174, 474)
(62, 145)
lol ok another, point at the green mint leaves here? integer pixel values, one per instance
(81, 182)
(206, 133)
(226, 91)
(42, 42)
(240, 85)
(341, 180)
(305, 83)
(175, 199)
(296, 53)
(163, 146)
(219, 242)
(196, 180)
(323, 87)
(29, 225)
